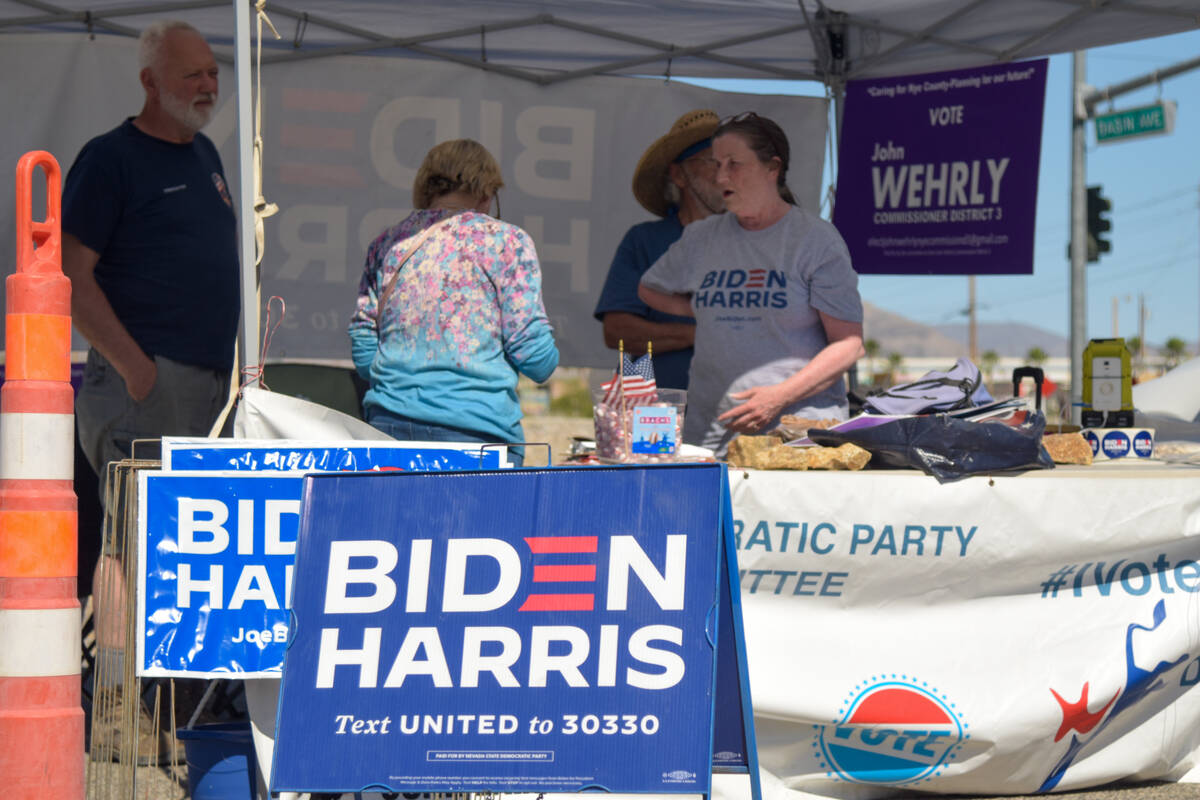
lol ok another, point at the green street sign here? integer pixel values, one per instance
(1133, 122)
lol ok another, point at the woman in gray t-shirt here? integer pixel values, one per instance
(778, 315)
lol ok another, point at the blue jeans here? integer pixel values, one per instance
(407, 429)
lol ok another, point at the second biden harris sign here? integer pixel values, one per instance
(510, 631)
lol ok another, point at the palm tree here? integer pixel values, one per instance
(1174, 350)
(1134, 343)
(1036, 356)
(1134, 346)
(988, 361)
(894, 361)
(872, 348)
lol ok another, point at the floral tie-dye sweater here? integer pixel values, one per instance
(463, 318)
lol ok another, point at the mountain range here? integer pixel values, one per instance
(897, 334)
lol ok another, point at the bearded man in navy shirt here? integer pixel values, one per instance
(150, 246)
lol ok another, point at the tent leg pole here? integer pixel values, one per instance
(1078, 249)
(245, 137)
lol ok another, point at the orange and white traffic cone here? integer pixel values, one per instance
(41, 721)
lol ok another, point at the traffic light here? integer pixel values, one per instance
(1098, 224)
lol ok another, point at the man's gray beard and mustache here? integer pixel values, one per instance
(186, 113)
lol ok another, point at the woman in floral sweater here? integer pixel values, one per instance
(450, 310)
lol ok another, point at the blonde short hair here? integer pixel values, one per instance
(457, 165)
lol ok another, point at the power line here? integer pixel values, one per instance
(1049, 289)
(1183, 191)
(1056, 227)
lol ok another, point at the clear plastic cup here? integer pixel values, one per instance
(639, 430)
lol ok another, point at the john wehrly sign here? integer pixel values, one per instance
(937, 173)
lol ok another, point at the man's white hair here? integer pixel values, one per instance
(154, 39)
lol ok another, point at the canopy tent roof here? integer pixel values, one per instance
(548, 42)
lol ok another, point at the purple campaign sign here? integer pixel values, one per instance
(937, 173)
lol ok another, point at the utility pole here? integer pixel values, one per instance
(1083, 101)
(1141, 353)
(1078, 310)
(972, 331)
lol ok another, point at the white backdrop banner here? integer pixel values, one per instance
(344, 137)
(990, 636)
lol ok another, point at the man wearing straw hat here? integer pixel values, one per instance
(674, 180)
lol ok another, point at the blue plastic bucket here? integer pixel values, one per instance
(220, 761)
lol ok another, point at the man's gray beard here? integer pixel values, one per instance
(715, 204)
(186, 114)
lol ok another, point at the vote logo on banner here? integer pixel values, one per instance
(504, 631)
(895, 732)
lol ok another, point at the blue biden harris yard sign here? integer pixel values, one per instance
(216, 556)
(217, 546)
(520, 631)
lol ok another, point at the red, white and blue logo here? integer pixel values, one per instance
(1116, 444)
(1142, 688)
(1143, 444)
(893, 729)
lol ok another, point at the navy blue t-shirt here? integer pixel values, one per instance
(642, 246)
(161, 218)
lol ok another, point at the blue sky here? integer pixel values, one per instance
(1154, 185)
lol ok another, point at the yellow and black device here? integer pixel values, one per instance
(1107, 385)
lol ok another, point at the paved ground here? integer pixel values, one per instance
(119, 782)
(158, 784)
(557, 432)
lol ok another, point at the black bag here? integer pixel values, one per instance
(948, 448)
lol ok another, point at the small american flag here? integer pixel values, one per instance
(637, 377)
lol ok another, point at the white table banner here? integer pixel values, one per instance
(1010, 635)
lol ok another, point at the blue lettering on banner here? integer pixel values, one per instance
(506, 629)
(821, 538)
(884, 541)
(796, 582)
(1129, 577)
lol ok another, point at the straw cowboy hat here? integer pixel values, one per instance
(651, 173)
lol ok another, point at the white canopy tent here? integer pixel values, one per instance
(551, 42)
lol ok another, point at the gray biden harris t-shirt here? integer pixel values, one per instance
(755, 295)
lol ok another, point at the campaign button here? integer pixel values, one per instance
(1116, 444)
